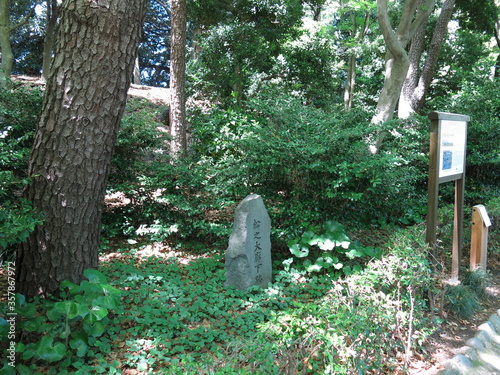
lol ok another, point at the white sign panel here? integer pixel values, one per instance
(452, 139)
(484, 215)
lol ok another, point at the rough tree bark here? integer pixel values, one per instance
(415, 87)
(178, 79)
(85, 98)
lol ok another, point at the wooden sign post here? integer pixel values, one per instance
(479, 239)
(448, 139)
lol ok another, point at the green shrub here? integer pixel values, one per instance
(19, 110)
(310, 163)
(481, 101)
(66, 331)
(478, 280)
(364, 318)
(140, 142)
(493, 208)
(462, 301)
(329, 250)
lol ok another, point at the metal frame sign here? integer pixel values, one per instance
(451, 143)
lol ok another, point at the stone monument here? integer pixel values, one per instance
(248, 256)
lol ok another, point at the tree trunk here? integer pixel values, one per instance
(396, 69)
(50, 36)
(358, 33)
(69, 164)
(407, 100)
(350, 82)
(413, 94)
(178, 78)
(396, 61)
(5, 46)
(497, 38)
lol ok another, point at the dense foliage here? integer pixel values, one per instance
(266, 115)
(19, 110)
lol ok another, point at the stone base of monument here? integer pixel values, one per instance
(248, 256)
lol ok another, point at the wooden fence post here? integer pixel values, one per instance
(479, 238)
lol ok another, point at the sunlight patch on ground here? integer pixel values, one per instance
(157, 250)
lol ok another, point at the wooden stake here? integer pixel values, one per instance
(479, 239)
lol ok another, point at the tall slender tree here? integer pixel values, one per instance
(85, 98)
(178, 78)
(361, 18)
(6, 28)
(50, 33)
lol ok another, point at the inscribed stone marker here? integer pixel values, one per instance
(248, 256)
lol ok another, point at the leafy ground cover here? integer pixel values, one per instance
(152, 309)
(176, 316)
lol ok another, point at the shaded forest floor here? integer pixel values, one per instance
(137, 266)
(454, 332)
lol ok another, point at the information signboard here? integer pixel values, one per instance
(452, 141)
(448, 138)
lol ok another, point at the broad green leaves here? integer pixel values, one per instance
(72, 325)
(324, 251)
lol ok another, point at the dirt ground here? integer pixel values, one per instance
(453, 333)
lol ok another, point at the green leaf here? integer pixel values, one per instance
(333, 227)
(314, 268)
(23, 370)
(80, 346)
(309, 238)
(95, 277)
(298, 251)
(53, 314)
(33, 324)
(68, 308)
(28, 352)
(347, 270)
(108, 301)
(354, 253)
(27, 310)
(73, 288)
(50, 351)
(94, 329)
(97, 313)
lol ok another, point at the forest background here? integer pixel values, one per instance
(318, 106)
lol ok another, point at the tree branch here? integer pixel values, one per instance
(23, 21)
(422, 15)
(391, 40)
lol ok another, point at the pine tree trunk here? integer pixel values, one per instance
(178, 79)
(85, 98)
